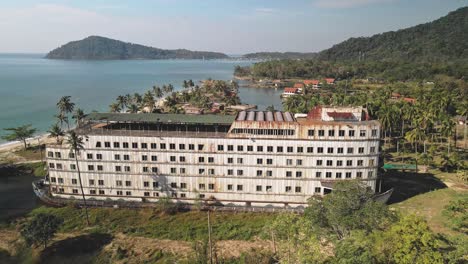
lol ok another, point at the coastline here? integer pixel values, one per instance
(34, 141)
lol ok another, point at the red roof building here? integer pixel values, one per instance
(330, 80)
(291, 90)
(311, 82)
(299, 85)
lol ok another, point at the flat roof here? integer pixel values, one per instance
(162, 118)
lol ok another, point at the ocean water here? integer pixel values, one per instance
(30, 85)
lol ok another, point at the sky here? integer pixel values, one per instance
(229, 26)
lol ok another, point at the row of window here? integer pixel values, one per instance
(341, 133)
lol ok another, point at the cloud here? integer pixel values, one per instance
(346, 3)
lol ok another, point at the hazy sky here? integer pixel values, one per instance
(231, 26)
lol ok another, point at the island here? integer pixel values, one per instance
(101, 48)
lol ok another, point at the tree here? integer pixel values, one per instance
(20, 133)
(76, 144)
(158, 93)
(65, 106)
(122, 101)
(78, 115)
(41, 229)
(270, 108)
(185, 84)
(133, 108)
(148, 101)
(62, 118)
(190, 83)
(114, 108)
(56, 132)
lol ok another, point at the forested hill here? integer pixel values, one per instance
(443, 39)
(279, 55)
(100, 48)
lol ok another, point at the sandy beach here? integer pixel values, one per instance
(34, 141)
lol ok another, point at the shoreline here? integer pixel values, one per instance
(33, 141)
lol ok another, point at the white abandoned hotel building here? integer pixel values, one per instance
(252, 159)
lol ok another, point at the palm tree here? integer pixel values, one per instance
(65, 106)
(115, 108)
(447, 127)
(78, 116)
(133, 108)
(62, 118)
(158, 92)
(76, 144)
(170, 88)
(122, 102)
(190, 83)
(148, 101)
(56, 132)
(185, 84)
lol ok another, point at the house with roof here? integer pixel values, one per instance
(290, 91)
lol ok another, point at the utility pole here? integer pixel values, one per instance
(209, 238)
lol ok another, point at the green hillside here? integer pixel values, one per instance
(100, 48)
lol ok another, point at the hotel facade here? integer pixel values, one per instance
(265, 159)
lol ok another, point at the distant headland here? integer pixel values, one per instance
(101, 48)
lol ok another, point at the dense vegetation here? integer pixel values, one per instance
(100, 48)
(279, 55)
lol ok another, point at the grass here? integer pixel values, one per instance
(31, 153)
(186, 226)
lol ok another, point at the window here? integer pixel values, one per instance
(350, 150)
(153, 145)
(298, 189)
(230, 172)
(300, 149)
(298, 174)
(200, 147)
(117, 157)
(240, 160)
(107, 144)
(100, 168)
(191, 146)
(374, 132)
(348, 175)
(60, 180)
(183, 185)
(338, 175)
(329, 163)
(74, 181)
(259, 148)
(220, 148)
(155, 184)
(359, 174)
(319, 150)
(259, 173)
(154, 158)
(310, 149)
(172, 158)
(119, 193)
(279, 149)
(311, 132)
(288, 173)
(288, 161)
(268, 188)
(98, 144)
(92, 191)
(258, 188)
(125, 145)
(134, 145)
(230, 148)
(144, 145)
(58, 155)
(71, 155)
(318, 174)
(240, 187)
(360, 163)
(128, 193)
(162, 146)
(145, 169)
(362, 133)
(321, 133)
(331, 133)
(229, 187)
(53, 179)
(230, 160)
(269, 161)
(351, 133)
(201, 159)
(101, 182)
(349, 163)
(317, 190)
(72, 167)
(118, 183)
(173, 185)
(240, 172)
(127, 168)
(328, 174)
(116, 145)
(59, 166)
(99, 156)
(249, 148)
(211, 186)
(361, 150)
(154, 170)
(89, 156)
(330, 150)
(201, 186)
(288, 189)
(145, 184)
(90, 167)
(371, 162)
(146, 193)
(339, 163)
(259, 161)
(210, 159)
(75, 191)
(173, 170)
(201, 171)
(211, 171)
(290, 149)
(372, 149)
(319, 162)
(340, 150)
(270, 149)
(341, 133)
(144, 157)
(181, 146)
(118, 168)
(128, 183)
(181, 159)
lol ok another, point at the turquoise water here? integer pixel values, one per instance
(30, 85)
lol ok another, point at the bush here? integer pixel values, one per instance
(41, 229)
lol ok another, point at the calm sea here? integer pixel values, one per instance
(30, 85)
